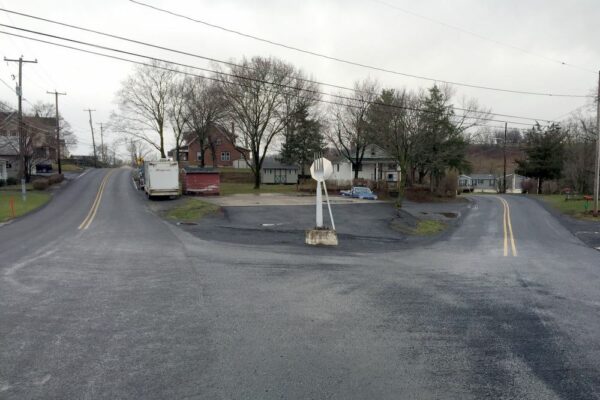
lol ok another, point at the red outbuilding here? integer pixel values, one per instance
(204, 181)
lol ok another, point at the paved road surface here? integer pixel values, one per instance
(133, 307)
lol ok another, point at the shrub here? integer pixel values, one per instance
(12, 181)
(56, 178)
(550, 187)
(2, 182)
(41, 184)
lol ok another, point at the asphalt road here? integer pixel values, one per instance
(133, 307)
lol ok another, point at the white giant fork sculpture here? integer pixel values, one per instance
(318, 174)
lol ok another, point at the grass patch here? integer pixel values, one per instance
(429, 227)
(191, 209)
(423, 227)
(248, 188)
(34, 201)
(16, 187)
(573, 208)
(67, 168)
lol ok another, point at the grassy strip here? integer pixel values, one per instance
(228, 189)
(34, 201)
(67, 168)
(191, 209)
(429, 227)
(573, 208)
(17, 187)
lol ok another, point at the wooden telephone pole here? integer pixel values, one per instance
(597, 175)
(102, 151)
(504, 180)
(93, 140)
(20, 60)
(56, 94)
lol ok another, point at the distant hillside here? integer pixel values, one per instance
(488, 159)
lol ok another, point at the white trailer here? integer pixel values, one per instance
(161, 178)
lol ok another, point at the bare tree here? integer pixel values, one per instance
(351, 131)
(138, 150)
(143, 101)
(395, 121)
(256, 91)
(206, 108)
(177, 110)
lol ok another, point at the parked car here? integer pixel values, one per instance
(359, 192)
(43, 167)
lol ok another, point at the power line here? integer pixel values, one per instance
(35, 70)
(479, 36)
(14, 91)
(344, 61)
(201, 56)
(217, 72)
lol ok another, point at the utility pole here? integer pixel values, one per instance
(56, 94)
(102, 152)
(597, 177)
(504, 180)
(20, 60)
(93, 140)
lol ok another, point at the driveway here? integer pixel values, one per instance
(278, 199)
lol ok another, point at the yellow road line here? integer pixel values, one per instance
(508, 231)
(96, 204)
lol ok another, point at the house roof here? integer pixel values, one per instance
(482, 176)
(191, 138)
(373, 153)
(272, 163)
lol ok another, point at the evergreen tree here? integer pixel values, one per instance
(303, 138)
(545, 154)
(439, 144)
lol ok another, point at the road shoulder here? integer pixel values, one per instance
(586, 231)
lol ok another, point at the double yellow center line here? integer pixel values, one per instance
(92, 213)
(508, 231)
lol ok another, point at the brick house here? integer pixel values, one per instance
(40, 142)
(222, 151)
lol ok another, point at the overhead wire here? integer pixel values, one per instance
(479, 36)
(209, 70)
(229, 63)
(349, 62)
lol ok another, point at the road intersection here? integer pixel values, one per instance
(100, 298)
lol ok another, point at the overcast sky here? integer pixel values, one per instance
(365, 31)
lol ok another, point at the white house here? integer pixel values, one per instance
(3, 172)
(513, 183)
(377, 165)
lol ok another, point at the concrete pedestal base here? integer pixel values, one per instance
(321, 237)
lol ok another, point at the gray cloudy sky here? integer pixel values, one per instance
(364, 31)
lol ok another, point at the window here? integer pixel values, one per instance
(225, 156)
(8, 165)
(199, 156)
(218, 141)
(338, 167)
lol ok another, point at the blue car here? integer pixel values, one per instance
(359, 192)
